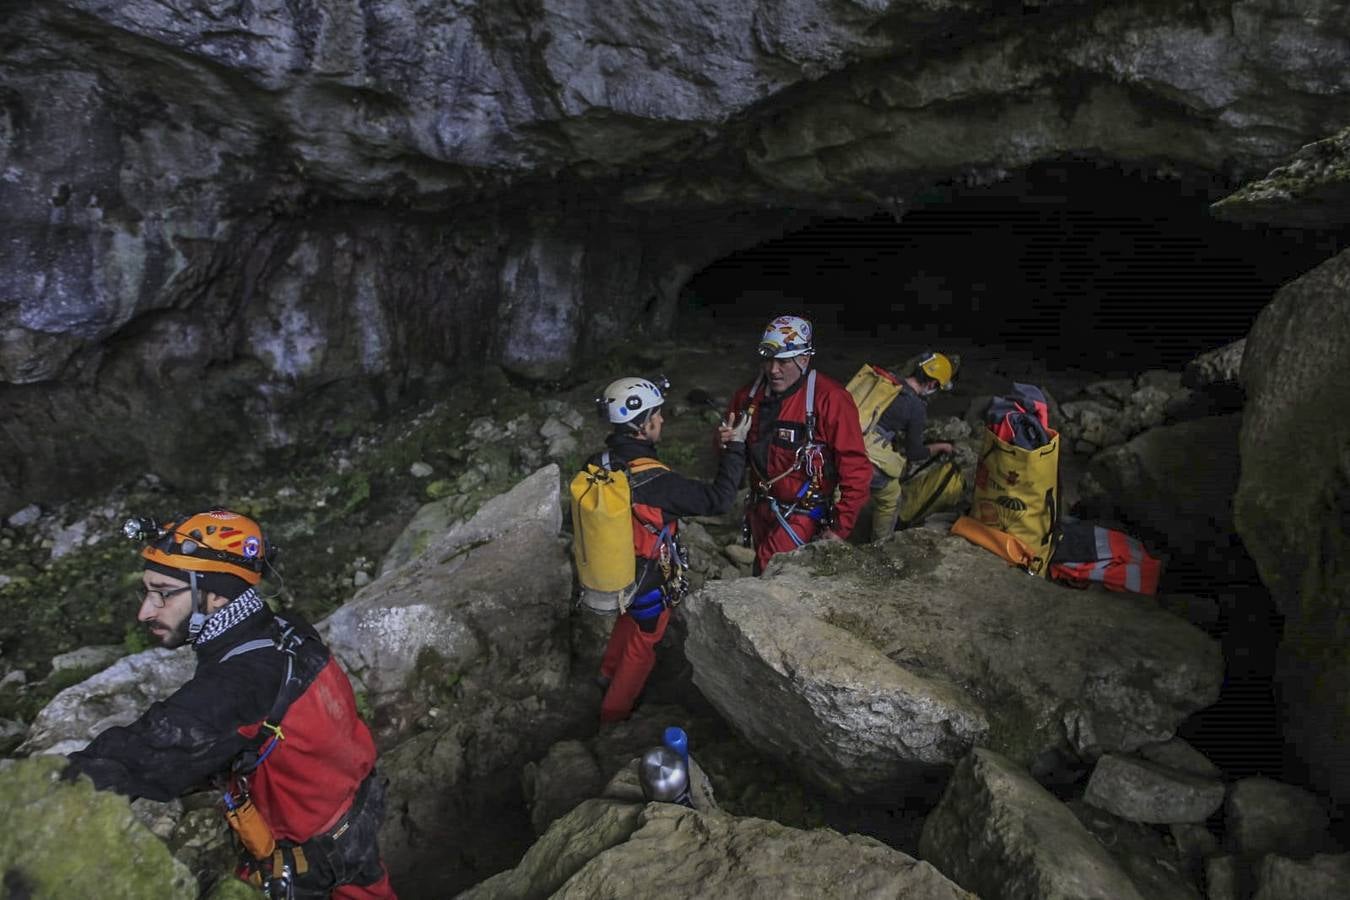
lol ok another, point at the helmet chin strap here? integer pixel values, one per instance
(198, 619)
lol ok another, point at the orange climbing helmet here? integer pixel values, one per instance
(213, 541)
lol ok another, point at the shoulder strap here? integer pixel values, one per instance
(248, 647)
(286, 642)
(644, 463)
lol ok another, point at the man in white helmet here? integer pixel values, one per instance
(804, 443)
(660, 497)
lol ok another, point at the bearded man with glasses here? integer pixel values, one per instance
(268, 718)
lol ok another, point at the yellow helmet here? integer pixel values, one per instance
(939, 368)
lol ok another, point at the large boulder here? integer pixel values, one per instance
(489, 599)
(1293, 500)
(862, 667)
(1293, 503)
(1002, 836)
(116, 696)
(69, 840)
(680, 852)
(588, 830)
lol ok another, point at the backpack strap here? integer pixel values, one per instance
(248, 647)
(646, 464)
(286, 642)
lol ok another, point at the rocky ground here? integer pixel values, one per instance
(862, 723)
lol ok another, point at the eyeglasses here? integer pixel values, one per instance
(160, 597)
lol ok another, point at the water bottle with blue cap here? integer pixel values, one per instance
(663, 771)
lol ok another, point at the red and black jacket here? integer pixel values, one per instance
(778, 429)
(302, 788)
(661, 498)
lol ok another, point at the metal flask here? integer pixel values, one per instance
(664, 776)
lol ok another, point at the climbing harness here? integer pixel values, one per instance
(808, 458)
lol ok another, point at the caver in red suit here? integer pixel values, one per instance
(796, 465)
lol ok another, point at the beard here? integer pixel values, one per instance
(174, 636)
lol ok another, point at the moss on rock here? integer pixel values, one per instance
(68, 840)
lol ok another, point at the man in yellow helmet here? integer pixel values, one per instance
(902, 426)
(268, 711)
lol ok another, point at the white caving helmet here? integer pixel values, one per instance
(786, 337)
(626, 400)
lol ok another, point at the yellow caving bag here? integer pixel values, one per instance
(873, 390)
(935, 486)
(602, 533)
(1017, 491)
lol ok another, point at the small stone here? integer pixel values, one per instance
(441, 487)
(743, 556)
(361, 578)
(344, 465)
(14, 678)
(95, 658)
(420, 470)
(26, 516)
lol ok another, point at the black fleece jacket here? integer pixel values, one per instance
(179, 742)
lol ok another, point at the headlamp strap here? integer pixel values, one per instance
(198, 620)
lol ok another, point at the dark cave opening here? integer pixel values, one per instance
(1084, 266)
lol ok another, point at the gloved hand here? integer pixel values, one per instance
(734, 431)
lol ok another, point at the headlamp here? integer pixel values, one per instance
(141, 528)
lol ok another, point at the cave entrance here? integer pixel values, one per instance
(1083, 266)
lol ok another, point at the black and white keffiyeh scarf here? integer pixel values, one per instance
(230, 615)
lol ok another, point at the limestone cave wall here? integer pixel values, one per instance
(235, 221)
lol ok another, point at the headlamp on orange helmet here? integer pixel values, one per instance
(215, 541)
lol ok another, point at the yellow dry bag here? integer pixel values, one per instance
(873, 390)
(1017, 491)
(602, 533)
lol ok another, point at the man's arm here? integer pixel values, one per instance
(842, 431)
(680, 496)
(177, 743)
